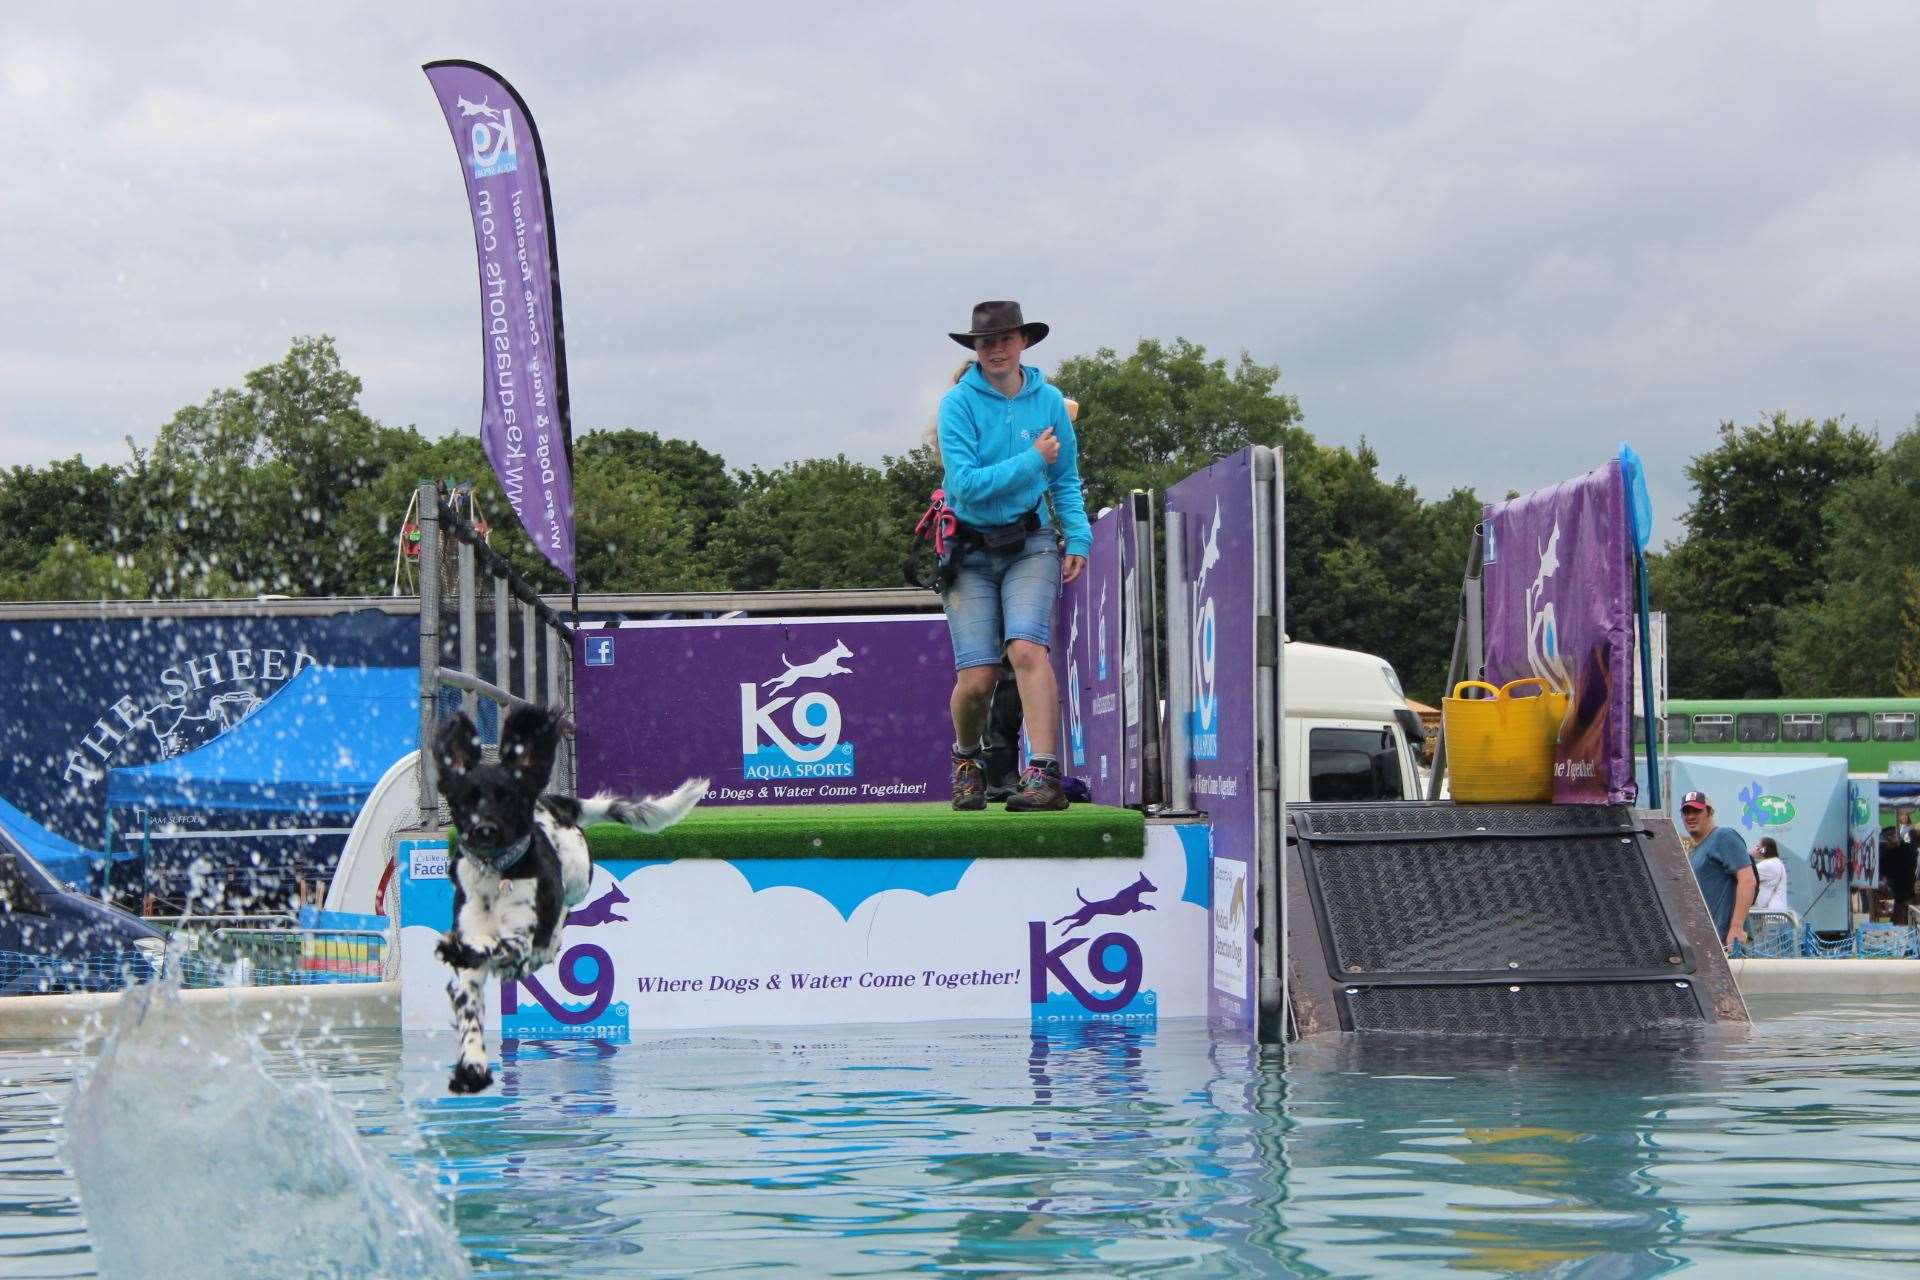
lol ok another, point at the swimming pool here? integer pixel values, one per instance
(971, 1148)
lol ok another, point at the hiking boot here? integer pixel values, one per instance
(998, 792)
(1039, 789)
(969, 783)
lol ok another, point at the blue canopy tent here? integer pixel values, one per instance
(76, 866)
(276, 794)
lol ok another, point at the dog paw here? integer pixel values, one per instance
(469, 1077)
(457, 954)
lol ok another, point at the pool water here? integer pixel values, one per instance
(989, 1149)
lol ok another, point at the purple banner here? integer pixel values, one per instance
(1216, 507)
(1559, 605)
(1132, 734)
(774, 711)
(523, 406)
(1088, 666)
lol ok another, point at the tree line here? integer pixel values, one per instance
(1796, 570)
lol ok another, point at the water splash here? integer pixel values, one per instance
(192, 1161)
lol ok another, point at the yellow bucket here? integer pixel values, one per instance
(1500, 749)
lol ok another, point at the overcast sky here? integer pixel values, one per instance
(1494, 239)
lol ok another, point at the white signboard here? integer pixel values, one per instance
(1229, 927)
(790, 942)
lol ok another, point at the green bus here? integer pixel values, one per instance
(1869, 733)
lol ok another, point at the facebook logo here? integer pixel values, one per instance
(599, 651)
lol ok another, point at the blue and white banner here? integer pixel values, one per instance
(1801, 801)
(703, 942)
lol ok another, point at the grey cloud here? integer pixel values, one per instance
(1494, 241)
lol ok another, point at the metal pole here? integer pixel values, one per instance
(429, 796)
(570, 739)
(1283, 1027)
(1446, 691)
(1466, 641)
(469, 628)
(1266, 693)
(557, 699)
(1153, 762)
(530, 652)
(1179, 671)
(502, 643)
(1476, 638)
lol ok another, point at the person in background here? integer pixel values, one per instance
(1897, 860)
(1722, 866)
(1774, 924)
(1006, 448)
(1771, 893)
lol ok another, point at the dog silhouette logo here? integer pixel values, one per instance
(1125, 902)
(830, 663)
(600, 910)
(491, 146)
(1210, 553)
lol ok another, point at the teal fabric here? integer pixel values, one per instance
(994, 475)
(318, 747)
(1633, 475)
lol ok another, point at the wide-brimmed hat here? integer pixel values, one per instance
(990, 318)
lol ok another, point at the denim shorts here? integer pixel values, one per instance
(999, 596)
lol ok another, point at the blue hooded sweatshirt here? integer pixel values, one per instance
(994, 475)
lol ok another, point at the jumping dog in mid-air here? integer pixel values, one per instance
(521, 862)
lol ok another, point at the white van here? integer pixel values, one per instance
(1350, 734)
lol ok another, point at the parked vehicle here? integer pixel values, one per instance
(52, 939)
(1870, 734)
(1350, 734)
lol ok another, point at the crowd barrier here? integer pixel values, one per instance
(1863, 942)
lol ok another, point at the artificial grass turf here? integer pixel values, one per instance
(922, 830)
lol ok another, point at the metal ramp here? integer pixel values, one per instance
(1533, 921)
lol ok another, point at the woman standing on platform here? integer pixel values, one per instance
(1007, 445)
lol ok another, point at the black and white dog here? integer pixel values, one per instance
(521, 862)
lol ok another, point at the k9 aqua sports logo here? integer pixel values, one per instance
(1076, 729)
(1203, 721)
(491, 148)
(795, 736)
(584, 1007)
(1113, 989)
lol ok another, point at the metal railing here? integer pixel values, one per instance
(541, 628)
(293, 957)
(635, 604)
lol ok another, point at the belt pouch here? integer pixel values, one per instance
(1006, 537)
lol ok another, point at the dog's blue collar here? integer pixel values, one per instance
(500, 860)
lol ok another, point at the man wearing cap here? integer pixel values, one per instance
(1722, 866)
(1007, 446)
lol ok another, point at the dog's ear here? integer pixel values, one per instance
(528, 743)
(457, 749)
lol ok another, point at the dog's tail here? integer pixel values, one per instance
(651, 813)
